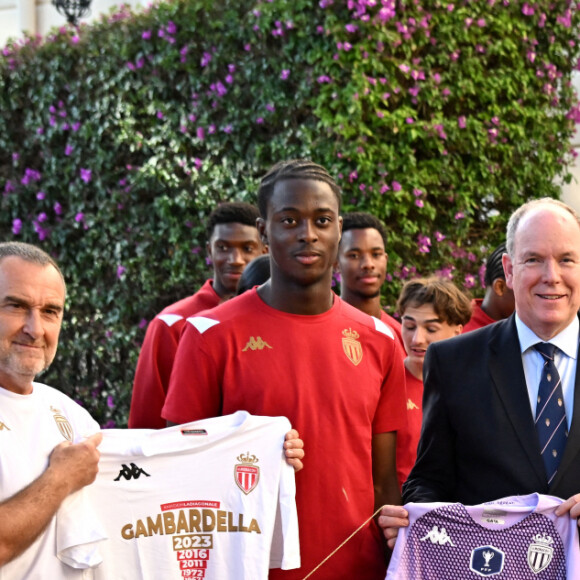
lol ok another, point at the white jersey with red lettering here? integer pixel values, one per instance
(513, 538)
(212, 499)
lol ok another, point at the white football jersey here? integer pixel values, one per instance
(211, 499)
(30, 427)
(514, 538)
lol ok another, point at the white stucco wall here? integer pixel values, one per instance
(39, 16)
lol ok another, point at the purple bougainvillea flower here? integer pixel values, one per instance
(57, 208)
(30, 176)
(459, 215)
(469, 281)
(419, 203)
(120, 271)
(16, 226)
(200, 132)
(527, 10)
(285, 74)
(68, 150)
(396, 186)
(439, 236)
(86, 175)
(462, 122)
(42, 217)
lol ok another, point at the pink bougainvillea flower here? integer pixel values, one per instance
(86, 175)
(439, 236)
(462, 122)
(459, 215)
(469, 281)
(396, 186)
(16, 226)
(527, 10)
(285, 74)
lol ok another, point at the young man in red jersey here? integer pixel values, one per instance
(233, 241)
(362, 263)
(292, 347)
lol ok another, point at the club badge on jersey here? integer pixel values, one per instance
(63, 424)
(247, 473)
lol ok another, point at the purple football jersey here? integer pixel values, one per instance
(514, 538)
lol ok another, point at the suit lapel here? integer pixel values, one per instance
(573, 443)
(505, 365)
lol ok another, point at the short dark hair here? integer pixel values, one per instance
(494, 266)
(28, 253)
(255, 273)
(359, 220)
(235, 212)
(293, 169)
(449, 302)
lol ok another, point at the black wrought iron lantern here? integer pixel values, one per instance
(72, 10)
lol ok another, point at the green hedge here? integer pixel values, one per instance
(117, 140)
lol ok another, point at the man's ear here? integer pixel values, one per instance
(508, 269)
(499, 286)
(261, 225)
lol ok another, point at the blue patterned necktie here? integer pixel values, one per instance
(550, 413)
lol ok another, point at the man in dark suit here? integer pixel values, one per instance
(479, 440)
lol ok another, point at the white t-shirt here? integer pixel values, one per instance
(30, 427)
(211, 499)
(514, 538)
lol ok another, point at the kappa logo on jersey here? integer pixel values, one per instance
(256, 344)
(486, 561)
(63, 425)
(4, 426)
(132, 472)
(436, 536)
(411, 406)
(540, 553)
(247, 473)
(351, 346)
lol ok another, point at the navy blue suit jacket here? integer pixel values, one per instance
(478, 440)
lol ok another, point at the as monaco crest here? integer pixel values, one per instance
(540, 553)
(351, 346)
(63, 425)
(246, 473)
